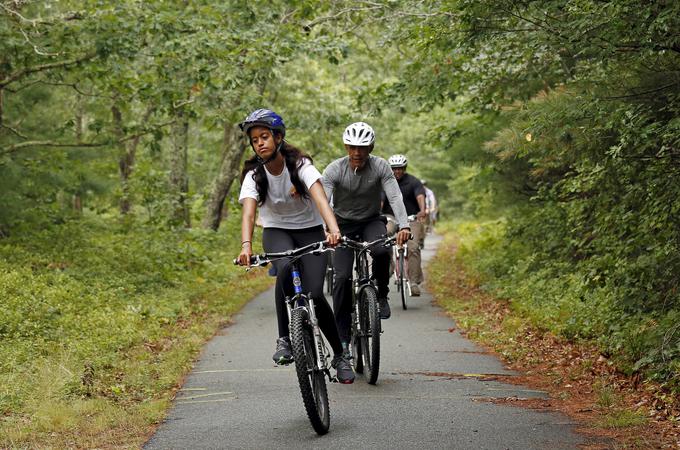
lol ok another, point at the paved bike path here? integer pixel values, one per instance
(432, 393)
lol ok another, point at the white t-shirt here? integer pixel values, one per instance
(284, 207)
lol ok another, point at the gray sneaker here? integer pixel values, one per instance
(343, 368)
(283, 354)
(385, 312)
(415, 290)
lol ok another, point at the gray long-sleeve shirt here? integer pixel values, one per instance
(356, 195)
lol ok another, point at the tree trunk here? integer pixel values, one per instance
(2, 102)
(179, 178)
(79, 107)
(232, 151)
(78, 203)
(127, 152)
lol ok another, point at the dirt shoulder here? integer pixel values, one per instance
(625, 412)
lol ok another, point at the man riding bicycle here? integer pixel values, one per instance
(355, 183)
(413, 195)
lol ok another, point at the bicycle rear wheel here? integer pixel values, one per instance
(370, 333)
(402, 280)
(310, 377)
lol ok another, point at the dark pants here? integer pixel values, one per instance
(343, 261)
(312, 272)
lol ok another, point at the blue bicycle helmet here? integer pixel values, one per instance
(263, 118)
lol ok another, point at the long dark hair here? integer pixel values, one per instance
(293, 158)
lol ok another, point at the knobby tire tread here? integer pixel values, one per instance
(402, 281)
(299, 331)
(371, 340)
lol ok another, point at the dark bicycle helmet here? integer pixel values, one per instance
(263, 118)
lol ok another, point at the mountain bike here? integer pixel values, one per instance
(401, 273)
(309, 348)
(366, 328)
(400, 263)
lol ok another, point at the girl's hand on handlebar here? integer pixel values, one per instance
(244, 256)
(333, 238)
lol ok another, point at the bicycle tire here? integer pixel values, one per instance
(370, 338)
(357, 356)
(402, 281)
(311, 378)
(330, 280)
(330, 276)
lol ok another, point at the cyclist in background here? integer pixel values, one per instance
(430, 208)
(355, 183)
(413, 196)
(282, 181)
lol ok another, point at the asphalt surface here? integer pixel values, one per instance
(433, 392)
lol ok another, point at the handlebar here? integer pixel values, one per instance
(357, 245)
(263, 259)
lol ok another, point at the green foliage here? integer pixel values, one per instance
(552, 126)
(90, 303)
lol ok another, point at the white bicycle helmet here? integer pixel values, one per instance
(358, 133)
(397, 161)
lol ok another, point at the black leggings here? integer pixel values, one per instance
(312, 271)
(343, 261)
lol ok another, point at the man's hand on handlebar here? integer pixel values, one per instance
(421, 216)
(333, 238)
(403, 235)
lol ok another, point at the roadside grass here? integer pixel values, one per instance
(581, 381)
(101, 326)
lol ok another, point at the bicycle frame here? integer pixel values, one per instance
(362, 272)
(305, 302)
(307, 343)
(366, 328)
(300, 300)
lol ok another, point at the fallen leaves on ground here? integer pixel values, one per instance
(626, 411)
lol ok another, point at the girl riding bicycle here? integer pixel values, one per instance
(282, 181)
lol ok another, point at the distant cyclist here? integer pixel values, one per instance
(282, 181)
(355, 183)
(413, 195)
(431, 207)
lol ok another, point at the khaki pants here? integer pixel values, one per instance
(415, 272)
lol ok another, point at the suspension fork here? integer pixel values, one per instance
(306, 302)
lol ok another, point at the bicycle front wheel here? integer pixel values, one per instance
(370, 333)
(402, 280)
(310, 377)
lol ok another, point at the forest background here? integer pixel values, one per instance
(549, 132)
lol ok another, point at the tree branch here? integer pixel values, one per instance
(40, 68)
(33, 22)
(21, 145)
(339, 14)
(35, 47)
(640, 94)
(13, 131)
